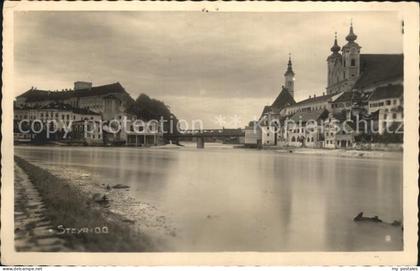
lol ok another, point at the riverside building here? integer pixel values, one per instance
(362, 86)
(108, 104)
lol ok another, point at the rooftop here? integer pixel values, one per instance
(266, 109)
(317, 99)
(341, 116)
(390, 91)
(345, 97)
(309, 116)
(376, 68)
(33, 95)
(60, 107)
(283, 99)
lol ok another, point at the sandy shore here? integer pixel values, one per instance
(342, 153)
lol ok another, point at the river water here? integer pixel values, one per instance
(225, 199)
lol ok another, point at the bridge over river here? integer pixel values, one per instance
(200, 135)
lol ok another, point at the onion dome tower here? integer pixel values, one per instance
(351, 56)
(335, 74)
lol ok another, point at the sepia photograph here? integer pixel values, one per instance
(209, 130)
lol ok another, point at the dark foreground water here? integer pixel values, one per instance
(223, 199)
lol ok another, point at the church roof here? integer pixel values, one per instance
(375, 68)
(351, 37)
(283, 99)
(335, 48)
(289, 70)
(33, 95)
(390, 91)
(266, 109)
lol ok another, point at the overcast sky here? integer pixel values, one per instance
(202, 65)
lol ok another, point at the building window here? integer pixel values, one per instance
(353, 62)
(395, 102)
(388, 102)
(385, 116)
(394, 115)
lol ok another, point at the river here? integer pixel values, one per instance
(225, 199)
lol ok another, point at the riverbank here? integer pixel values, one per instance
(383, 154)
(33, 230)
(344, 153)
(84, 222)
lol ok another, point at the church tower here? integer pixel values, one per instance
(351, 57)
(335, 73)
(289, 78)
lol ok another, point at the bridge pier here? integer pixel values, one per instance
(200, 142)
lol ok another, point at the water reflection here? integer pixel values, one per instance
(230, 199)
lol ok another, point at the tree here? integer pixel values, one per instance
(147, 109)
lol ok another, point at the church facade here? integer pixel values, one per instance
(349, 70)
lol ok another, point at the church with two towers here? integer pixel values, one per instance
(367, 84)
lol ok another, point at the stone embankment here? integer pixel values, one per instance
(33, 230)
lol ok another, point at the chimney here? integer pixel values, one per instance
(309, 96)
(82, 85)
(323, 93)
(314, 95)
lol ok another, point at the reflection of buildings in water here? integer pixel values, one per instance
(301, 202)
